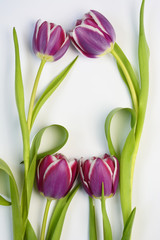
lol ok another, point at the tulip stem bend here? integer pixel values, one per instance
(33, 95)
(128, 75)
(48, 203)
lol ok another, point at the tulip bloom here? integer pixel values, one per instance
(56, 175)
(95, 171)
(50, 41)
(93, 36)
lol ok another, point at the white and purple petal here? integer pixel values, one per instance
(56, 180)
(100, 173)
(104, 24)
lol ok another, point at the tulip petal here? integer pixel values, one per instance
(34, 42)
(104, 24)
(100, 173)
(42, 166)
(56, 39)
(80, 50)
(74, 170)
(56, 180)
(115, 175)
(42, 37)
(62, 50)
(84, 167)
(90, 40)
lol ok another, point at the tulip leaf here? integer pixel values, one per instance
(30, 234)
(108, 128)
(143, 54)
(107, 231)
(108, 132)
(92, 220)
(126, 166)
(126, 159)
(19, 92)
(50, 89)
(58, 216)
(4, 202)
(15, 201)
(128, 226)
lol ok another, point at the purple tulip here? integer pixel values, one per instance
(50, 41)
(56, 175)
(95, 171)
(93, 36)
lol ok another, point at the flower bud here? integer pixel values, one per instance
(50, 41)
(95, 171)
(93, 36)
(56, 175)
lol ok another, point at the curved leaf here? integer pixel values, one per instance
(19, 92)
(92, 220)
(108, 128)
(4, 202)
(16, 209)
(108, 131)
(50, 89)
(128, 226)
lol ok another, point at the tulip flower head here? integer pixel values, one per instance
(56, 175)
(50, 41)
(95, 171)
(93, 36)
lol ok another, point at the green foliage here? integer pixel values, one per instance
(128, 226)
(58, 216)
(16, 209)
(50, 89)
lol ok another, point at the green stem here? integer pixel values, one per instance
(32, 100)
(132, 85)
(92, 221)
(45, 219)
(107, 231)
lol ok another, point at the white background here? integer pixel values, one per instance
(81, 104)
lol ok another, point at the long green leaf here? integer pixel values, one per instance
(50, 89)
(19, 92)
(107, 231)
(30, 234)
(128, 227)
(143, 53)
(92, 221)
(4, 202)
(56, 230)
(126, 163)
(16, 209)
